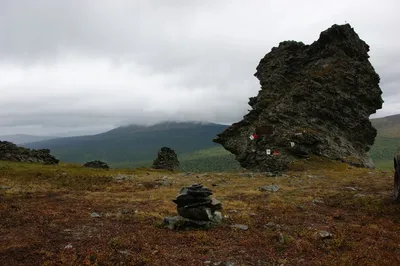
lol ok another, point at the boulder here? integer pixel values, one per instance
(314, 100)
(11, 152)
(97, 164)
(166, 159)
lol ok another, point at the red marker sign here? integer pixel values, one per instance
(254, 136)
(275, 152)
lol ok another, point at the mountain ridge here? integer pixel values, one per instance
(121, 140)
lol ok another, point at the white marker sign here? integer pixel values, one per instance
(268, 151)
(252, 137)
(292, 144)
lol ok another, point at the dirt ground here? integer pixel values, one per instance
(46, 217)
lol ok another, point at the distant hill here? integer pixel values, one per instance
(24, 138)
(388, 126)
(386, 142)
(125, 146)
(134, 145)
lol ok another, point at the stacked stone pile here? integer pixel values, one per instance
(195, 208)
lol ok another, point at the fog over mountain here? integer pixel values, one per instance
(84, 67)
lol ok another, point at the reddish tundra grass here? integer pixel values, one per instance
(45, 217)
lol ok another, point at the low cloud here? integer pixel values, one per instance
(87, 66)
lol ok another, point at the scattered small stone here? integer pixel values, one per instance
(325, 234)
(5, 187)
(95, 215)
(164, 183)
(233, 211)
(125, 252)
(217, 263)
(359, 195)
(246, 174)
(207, 262)
(272, 225)
(228, 263)
(69, 246)
(271, 188)
(352, 188)
(240, 226)
(121, 177)
(318, 201)
(281, 239)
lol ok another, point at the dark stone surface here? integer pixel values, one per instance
(194, 203)
(11, 152)
(97, 164)
(319, 96)
(396, 192)
(166, 159)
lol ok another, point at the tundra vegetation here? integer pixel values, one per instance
(324, 213)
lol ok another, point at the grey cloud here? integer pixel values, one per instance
(71, 65)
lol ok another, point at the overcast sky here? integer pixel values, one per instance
(76, 66)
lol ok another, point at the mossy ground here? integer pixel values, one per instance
(45, 217)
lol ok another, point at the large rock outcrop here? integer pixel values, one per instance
(314, 99)
(11, 152)
(166, 159)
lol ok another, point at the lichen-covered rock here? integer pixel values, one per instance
(317, 100)
(11, 152)
(166, 159)
(97, 164)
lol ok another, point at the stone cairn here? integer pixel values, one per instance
(195, 209)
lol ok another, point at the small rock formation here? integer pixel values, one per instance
(11, 152)
(195, 208)
(97, 164)
(166, 159)
(314, 100)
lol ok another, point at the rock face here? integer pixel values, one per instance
(97, 164)
(396, 193)
(166, 159)
(314, 100)
(11, 152)
(195, 208)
